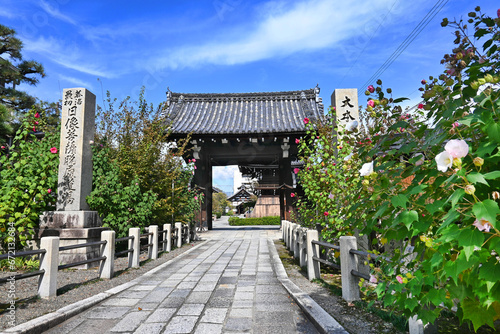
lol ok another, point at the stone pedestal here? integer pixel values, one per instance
(73, 227)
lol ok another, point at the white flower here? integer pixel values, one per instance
(351, 125)
(444, 161)
(347, 158)
(457, 148)
(366, 169)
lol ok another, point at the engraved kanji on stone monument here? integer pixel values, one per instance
(345, 102)
(75, 154)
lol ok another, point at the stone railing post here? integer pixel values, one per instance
(313, 267)
(292, 237)
(284, 225)
(153, 239)
(348, 262)
(296, 248)
(302, 247)
(107, 266)
(135, 244)
(178, 233)
(47, 283)
(167, 235)
(188, 236)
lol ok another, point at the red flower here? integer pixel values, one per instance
(53, 150)
(37, 115)
(296, 170)
(297, 140)
(34, 129)
(36, 122)
(423, 82)
(306, 120)
(49, 190)
(292, 195)
(325, 213)
(371, 89)
(420, 106)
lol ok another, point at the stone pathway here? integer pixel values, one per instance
(227, 285)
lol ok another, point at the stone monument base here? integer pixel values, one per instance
(72, 227)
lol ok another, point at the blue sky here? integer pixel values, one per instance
(230, 45)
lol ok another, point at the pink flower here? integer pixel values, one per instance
(373, 279)
(37, 115)
(420, 106)
(399, 279)
(482, 225)
(457, 148)
(36, 122)
(34, 129)
(194, 160)
(371, 89)
(498, 13)
(371, 103)
(455, 125)
(53, 150)
(195, 167)
(296, 170)
(423, 81)
(189, 161)
(331, 196)
(3, 147)
(49, 190)
(306, 120)
(325, 213)
(196, 197)
(297, 140)
(292, 195)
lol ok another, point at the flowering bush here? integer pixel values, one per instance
(431, 185)
(27, 178)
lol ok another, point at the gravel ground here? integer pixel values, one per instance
(73, 285)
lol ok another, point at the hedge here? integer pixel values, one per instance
(271, 220)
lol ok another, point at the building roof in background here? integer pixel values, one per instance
(241, 196)
(242, 113)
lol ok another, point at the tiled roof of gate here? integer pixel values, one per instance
(242, 113)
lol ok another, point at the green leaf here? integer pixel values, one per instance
(399, 201)
(487, 209)
(408, 217)
(477, 178)
(492, 175)
(469, 239)
(478, 314)
(494, 132)
(456, 196)
(490, 271)
(435, 206)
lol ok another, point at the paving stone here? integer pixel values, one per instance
(130, 322)
(205, 286)
(149, 282)
(134, 294)
(219, 302)
(142, 287)
(170, 283)
(150, 328)
(274, 317)
(183, 293)
(162, 315)
(157, 295)
(228, 280)
(238, 324)
(244, 295)
(191, 309)
(241, 312)
(275, 288)
(223, 292)
(248, 288)
(272, 307)
(173, 302)
(214, 315)
(182, 324)
(107, 312)
(186, 285)
(147, 306)
(198, 297)
(121, 302)
(242, 303)
(94, 326)
(211, 278)
(205, 328)
(277, 329)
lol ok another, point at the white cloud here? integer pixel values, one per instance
(307, 26)
(223, 173)
(54, 12)
(78, 82)
(68, 56)
(5, 13)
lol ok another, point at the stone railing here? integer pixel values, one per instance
(49, 253)
(305, 245)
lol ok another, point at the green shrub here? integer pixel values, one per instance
(271, 220)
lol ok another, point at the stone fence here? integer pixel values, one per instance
(305, 245)
(49, 253)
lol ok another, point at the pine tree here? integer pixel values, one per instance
(14, 70)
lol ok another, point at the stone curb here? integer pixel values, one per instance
(53, 319)
(323, 321)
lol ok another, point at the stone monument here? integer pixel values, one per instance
(73, 221)
(346, 106)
